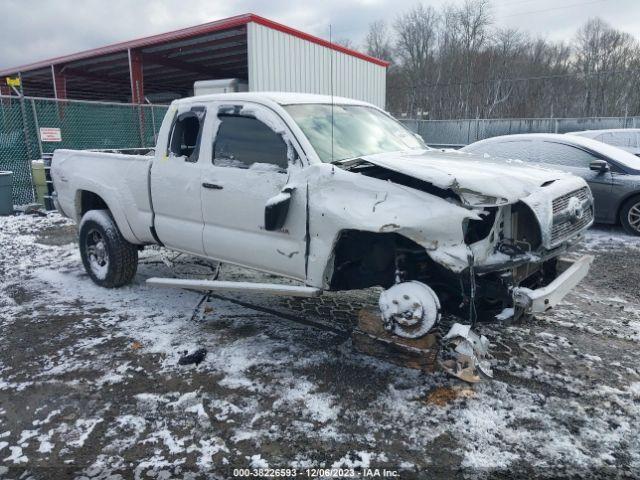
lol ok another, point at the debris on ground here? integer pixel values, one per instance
(442, 396)
(32, 209)
(465, 354)
(194, 358)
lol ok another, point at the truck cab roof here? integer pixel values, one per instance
(281, 98)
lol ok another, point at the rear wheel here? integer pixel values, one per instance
(107, 257)
(630, 216)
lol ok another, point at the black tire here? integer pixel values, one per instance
(107, 257)
(630, 216)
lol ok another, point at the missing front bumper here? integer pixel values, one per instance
(542, 299)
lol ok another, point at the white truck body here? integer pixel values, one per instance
(456, 215)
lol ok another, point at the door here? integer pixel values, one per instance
(248, 166)
(175, 183)
(577, 161)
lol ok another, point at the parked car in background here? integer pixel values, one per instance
(613, 174)
(625, 138)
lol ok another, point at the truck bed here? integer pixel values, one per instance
(125, 151)
(119, 177)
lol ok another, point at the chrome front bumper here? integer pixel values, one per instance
(542, 299)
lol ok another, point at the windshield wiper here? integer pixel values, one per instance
(347, 162)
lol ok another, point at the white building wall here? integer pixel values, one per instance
(279, 61)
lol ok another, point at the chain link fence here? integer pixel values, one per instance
(102, 125)
(458, 133)
(81, 124)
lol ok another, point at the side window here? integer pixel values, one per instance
(520, 150)
(624, 139)
(560, 154)
(245, 142)
(185, 135)
(605, 138)
(620, 139)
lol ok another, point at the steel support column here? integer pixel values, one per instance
(135, 74)
(59, 82)
(137, 88)
(5, 90)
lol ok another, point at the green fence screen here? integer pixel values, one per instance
(82, 125)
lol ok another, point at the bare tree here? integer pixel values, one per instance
(378, 42)
(473, 21)
(346, 43)
(603, 56)
(452, 63)
(504, 58)
(416, 33)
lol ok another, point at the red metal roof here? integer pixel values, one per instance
(189, 33)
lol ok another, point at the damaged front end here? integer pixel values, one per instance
(513, 266)
(482, 253)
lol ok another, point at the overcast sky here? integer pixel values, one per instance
(33, 30)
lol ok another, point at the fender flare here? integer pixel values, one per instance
(109, 198)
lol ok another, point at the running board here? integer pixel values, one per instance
(222, 286)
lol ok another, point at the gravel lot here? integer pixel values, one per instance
(90, 384)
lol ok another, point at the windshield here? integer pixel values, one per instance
(357, 131)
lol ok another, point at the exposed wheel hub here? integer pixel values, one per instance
(97, 253)
(409, 309)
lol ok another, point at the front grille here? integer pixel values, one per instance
(564, 224)
(561, 203)
(565, 229)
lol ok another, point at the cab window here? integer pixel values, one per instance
(185, 134)
(243, 141)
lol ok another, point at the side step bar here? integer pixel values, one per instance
(223, 286)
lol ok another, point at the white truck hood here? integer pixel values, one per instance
(477, 180)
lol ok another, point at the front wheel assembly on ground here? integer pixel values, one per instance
(411, 310)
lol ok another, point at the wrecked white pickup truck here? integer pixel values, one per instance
(333, 193)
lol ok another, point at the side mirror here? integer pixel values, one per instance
(600, 166)
(276, 209)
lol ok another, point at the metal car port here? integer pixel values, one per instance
(268, 55)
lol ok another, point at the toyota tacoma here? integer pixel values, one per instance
(335, 194)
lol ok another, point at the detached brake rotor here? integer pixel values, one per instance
(409, 309)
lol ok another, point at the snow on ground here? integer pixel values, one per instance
(90, 381)
(606, 237)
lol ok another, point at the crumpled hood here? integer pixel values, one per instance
(472, 177)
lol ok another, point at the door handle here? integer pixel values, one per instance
(212, 186)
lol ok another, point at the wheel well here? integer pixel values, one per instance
(623, 202)
(90, 201)
(365, 259)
